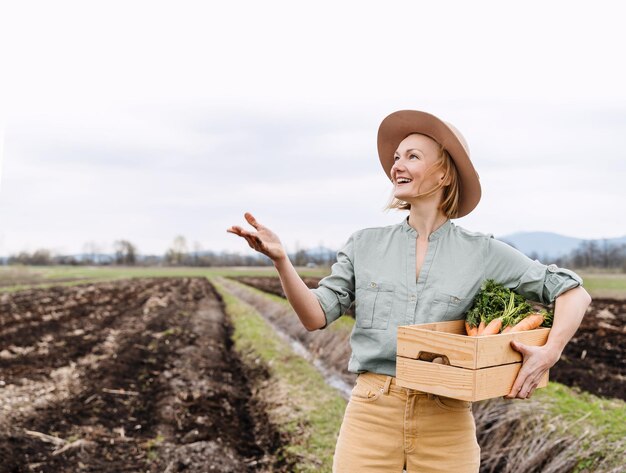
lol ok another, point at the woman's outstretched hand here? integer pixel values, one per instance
(263, 240)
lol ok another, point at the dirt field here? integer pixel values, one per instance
(126, 376)
(272, 285)
(594, 360)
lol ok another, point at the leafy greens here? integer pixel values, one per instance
(496, 301)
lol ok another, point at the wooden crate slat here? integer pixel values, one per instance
(497, 381)
(459, 349)
(423, 376)
(459, 383)
(496, 349)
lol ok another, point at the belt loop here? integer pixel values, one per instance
(387, 384)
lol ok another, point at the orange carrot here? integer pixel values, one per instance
(493, 327)
(508, 328)
(481, 327)
(471, 331)
(528, 323)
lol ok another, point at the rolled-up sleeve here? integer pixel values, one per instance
(530, 278)
(335, 292)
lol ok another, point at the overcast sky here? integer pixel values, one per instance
(146, 120)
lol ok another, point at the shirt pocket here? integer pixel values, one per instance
(374, 302)
(447, 306)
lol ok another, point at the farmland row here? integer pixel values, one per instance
(128, 376)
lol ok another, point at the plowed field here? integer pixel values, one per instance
(134, 375)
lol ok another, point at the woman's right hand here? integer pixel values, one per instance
(263, 240)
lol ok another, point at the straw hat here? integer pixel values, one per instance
(398, 125)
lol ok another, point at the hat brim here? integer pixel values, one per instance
(398, 125)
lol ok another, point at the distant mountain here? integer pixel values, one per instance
(551, 245)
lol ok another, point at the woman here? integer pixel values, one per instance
(423, 269)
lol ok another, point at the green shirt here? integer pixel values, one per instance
(376, 270)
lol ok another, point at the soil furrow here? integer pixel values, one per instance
(159, 390)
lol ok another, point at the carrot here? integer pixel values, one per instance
(471, 331)
(493, 327)
(481, 327)
(508, 328)
(528, 323)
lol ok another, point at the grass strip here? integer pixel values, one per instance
(607, 416)
(68, 271)
(301, 405)
(599, 422)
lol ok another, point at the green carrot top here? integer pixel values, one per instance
(496, 301)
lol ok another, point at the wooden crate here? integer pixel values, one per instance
(474, 368)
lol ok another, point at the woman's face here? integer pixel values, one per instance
(414, 156)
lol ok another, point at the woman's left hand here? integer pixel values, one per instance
(536, 361)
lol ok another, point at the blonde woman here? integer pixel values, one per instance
(422, 269)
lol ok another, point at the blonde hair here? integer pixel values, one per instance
(449, 204)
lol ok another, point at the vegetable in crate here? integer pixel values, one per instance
(497, 309)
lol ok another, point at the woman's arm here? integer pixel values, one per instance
(569, 309)
(303, 301)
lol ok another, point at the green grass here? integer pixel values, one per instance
(606, 416)
(600, 423)
(309, 411)
(46, 276)
(605, 284)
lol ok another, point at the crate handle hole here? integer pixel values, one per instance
(433, 357)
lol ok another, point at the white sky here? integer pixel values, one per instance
(145, 120)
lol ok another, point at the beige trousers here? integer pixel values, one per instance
(387, 428)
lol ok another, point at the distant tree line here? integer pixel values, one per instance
(589, 254)
(126, 253)
(592, 254)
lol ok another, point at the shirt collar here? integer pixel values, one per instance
(433, 236)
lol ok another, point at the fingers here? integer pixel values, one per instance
(523, 387)
(513, 394)
(250, 241)
(525, 390)
(253, 239)
(251, 220)
(255, 243)
(519, 383)
(520, 347)
(237, 230)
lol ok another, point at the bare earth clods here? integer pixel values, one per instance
(595, 358)
(126, 376)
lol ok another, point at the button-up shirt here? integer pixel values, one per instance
(376, 270)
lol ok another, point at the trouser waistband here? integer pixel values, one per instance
(387, 381)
